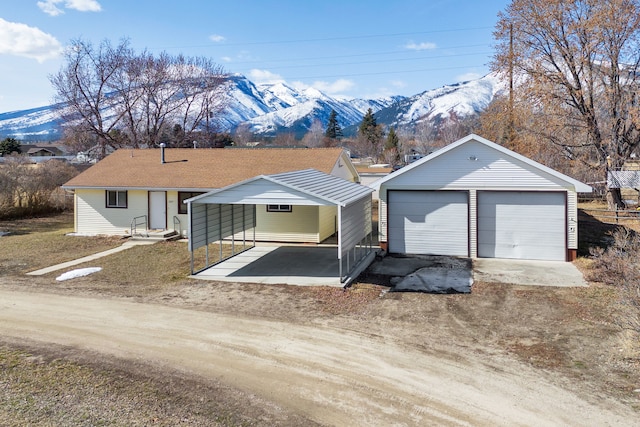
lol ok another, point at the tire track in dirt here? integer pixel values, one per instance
(330, 375)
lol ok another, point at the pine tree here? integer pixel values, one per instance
(369, 139)
(392, 140)
(334, 131)
(369, 127)
(9, 145)
(392, 147)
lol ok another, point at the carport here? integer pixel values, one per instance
(229, 215)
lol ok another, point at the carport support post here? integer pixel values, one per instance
(340, 241)
(206, 233)
(220, 229)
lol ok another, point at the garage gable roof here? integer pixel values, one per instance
(307, 186)
(577, 185)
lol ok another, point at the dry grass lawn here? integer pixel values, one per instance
(568, 332)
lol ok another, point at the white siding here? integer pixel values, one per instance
(492, 170)
(299, 225)
(93, 217)
(262, 192)
(355, 223)
(473, 223)
(572, 220)
(382, 216)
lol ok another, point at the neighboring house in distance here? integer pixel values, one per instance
(474, 198)
(154, 183)
(41, 151)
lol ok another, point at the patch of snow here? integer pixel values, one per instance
(79, 272)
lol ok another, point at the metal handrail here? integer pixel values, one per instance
(176, 220)
(135, 223)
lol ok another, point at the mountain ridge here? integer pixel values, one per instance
(271, 108)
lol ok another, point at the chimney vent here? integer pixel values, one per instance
(162, 145)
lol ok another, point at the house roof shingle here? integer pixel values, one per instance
(203, 168)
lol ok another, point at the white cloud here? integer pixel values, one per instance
(399, 84)
(83, 5)
(467, 76)
(50, 7)
(264, 76)
(227, 59)
(330, 88)
(420, 46)
(216, 38)
(338, 86)
(30, 42)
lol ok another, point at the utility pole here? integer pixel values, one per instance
(511, 131)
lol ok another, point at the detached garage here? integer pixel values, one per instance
(474, 198)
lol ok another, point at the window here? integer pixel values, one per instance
(116, 199)
(278, 208)
(184, 195)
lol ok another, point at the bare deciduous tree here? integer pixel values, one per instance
(131, 99)
(314, 137)
(576, 63)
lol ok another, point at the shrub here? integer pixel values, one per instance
(618, 266)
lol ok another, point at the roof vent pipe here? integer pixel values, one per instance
(195, 144)
(162, 145)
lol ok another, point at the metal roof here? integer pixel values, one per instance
(332, 189)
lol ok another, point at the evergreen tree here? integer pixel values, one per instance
(392, 140)
(8, 146)
(368, 127)
(392, 147)
(334, 131)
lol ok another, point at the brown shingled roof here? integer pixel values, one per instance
(203, 168)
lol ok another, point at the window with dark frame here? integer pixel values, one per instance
(184, 195)
(279, 208)
(116, 199)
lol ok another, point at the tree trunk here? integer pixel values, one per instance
(614, 199)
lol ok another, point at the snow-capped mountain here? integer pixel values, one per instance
(269, 109)
(460, 100)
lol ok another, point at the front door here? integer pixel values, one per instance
(158, 210)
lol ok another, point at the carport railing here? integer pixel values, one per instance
(352, 260)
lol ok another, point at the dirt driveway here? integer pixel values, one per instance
(322, 370)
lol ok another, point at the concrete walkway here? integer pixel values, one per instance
(88, 258)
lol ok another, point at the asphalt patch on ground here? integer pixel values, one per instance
(430, 274)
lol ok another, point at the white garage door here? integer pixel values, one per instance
(429, 222)
(522, 225)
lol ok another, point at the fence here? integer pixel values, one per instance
(629, 217)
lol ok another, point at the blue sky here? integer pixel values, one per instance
(352, 48)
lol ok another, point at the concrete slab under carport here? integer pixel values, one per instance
(279, 264)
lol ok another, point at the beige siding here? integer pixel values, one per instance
(572, 220)
(300, 225)
(344, 169)
(172, 211)
(328, 217)
(93, 217)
